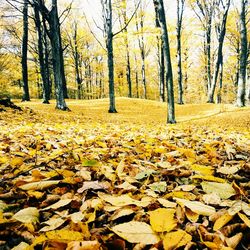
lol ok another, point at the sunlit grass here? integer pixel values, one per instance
(145, 112)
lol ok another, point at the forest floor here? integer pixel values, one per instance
(87, 179)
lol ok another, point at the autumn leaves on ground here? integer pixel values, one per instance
(87, 179)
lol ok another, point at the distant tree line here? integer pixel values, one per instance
(212, 15)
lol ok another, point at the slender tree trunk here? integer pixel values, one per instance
(107, 14)
(221, 29)
(241, 92)
(26, 96)
(46, 59)
(55, 38)
(208, 52)
(180, 10)
(219, 94)
(46, 87)
(161, 70)
(248, 86)
(128, 73)
(76, 59)
(160, 13)
(142, 52)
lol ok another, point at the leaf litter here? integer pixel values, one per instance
(91, 185)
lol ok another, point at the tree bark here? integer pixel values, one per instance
(160, 14)
(221, 30)
(107, 15)
(241, 92)
(180, 10)
(142, 52)
(45, 79)
(26, 96)
(55, 37)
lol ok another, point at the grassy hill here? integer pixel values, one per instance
(147, 112)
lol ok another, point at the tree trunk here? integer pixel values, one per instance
(162, 72)
(221, 29)
(241, 92)
(107, 14)
(55, 38)
(76, 59)
(46, 87)
(26, 96)
(46, 58)
(142, 52)
(128, 73)
(180, 10)
(160, 13)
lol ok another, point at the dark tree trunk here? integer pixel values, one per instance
(76, 59)
(180, 10)
(136, 78)
(128, 73)
(221, 31)
(160, 14)
(55, 37)
(46, 58)
(140, 29)
(45, 79)
(241, 92)
(162, 71)
(26, 96)
(107, 15)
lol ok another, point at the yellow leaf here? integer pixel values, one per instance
(174, 240)
(245, 219)
(197, 207)
(192, 216)
(136, 232)
(162, 220)
(58, 204)
(64, 235)
(209, 178)
(39, 185)
(234, 241)
(83, 245)
(52, 224)
(27, 215)
(181, 195)
(211, 245)
(124, 200)
(121, 212)
(222, 221)
(202, 170)
(17, 161)
(3, 159)
(224, 190)
(36, 194)
(166, 203)
(21, 246)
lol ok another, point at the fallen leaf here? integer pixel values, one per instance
(223, 190)
(166, 203)
(84, 245)
(136, 232)
(162, 220)
(196, 206)
(222, 221)
(39, 185)
(58, 204)
(121, 213)
(27, 215)
(174, 240)
(209, 178)
(245, 219)
(52, 224)
(95, 185)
